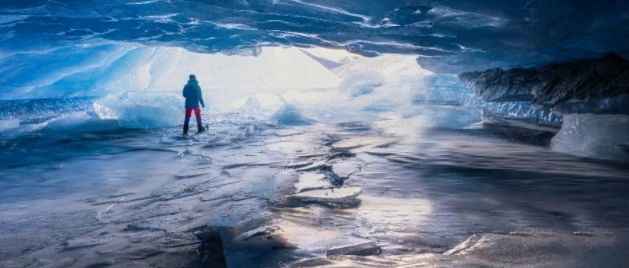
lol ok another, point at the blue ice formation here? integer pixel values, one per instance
(290, 115)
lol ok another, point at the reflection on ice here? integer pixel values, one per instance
(389, 217)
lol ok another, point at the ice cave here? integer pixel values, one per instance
(314, 133)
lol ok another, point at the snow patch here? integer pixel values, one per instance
(312, 181)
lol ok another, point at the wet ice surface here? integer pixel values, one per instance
(378, 194)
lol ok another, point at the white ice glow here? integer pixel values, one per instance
(140, 86)
(383, 83)
(227, 80)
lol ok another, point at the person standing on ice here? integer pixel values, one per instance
(194, 97)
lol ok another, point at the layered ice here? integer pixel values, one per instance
(71, 115)
(103, 69)
(119, 85)
(541, 94)
(133, 110)
(521, 111)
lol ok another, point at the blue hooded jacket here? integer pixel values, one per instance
(192, 93)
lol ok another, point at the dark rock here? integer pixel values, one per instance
(525, 134)
(557, 85)
(334, 178)
(624, 147)
(211, 249)
(99, 265)
(140, 228)
(498, 85)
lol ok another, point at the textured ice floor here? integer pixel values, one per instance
(418, 197)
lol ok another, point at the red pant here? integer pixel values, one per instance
(197, 114)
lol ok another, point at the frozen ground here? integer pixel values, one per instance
(351, 162)
(389, 193)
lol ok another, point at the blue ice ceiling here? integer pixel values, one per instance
(447, 35)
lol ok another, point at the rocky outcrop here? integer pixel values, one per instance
(583, 105)
(591, 85)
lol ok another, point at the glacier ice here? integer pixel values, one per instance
(522, 111)
(593, 135)
(71, 115)
(133, 86)
(138, 86)
(133, 110)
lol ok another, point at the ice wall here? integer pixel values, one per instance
(135, 86)
(67, 71)
(103, 69)
(139, 86)
(585, 100)
(522, 111)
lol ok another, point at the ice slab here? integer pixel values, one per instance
(366, 248)
(260, 231)
(315, 166)
(312, 181)
(299, 164)
(593, 135)
(269, 236)
(346, 169)
(346, 196)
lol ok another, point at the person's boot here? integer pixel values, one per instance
(185, 129)
(200, 127)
